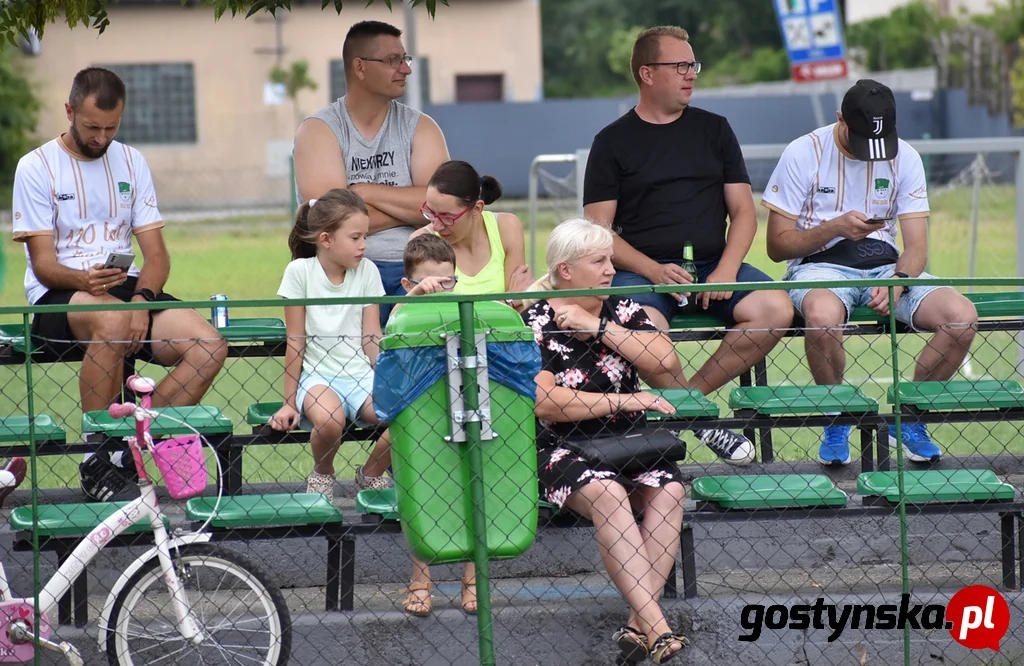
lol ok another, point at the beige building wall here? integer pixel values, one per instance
(239, 158)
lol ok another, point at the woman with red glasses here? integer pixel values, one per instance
(490, 254)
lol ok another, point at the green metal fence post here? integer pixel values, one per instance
(471, 448)
(33, 480)
(904, 554)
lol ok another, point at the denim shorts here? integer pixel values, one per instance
(669, 307)
(352, 393)
(853, 297)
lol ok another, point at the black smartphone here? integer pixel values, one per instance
(879, 220)
(119, 260)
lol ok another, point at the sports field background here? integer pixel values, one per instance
(244, 257)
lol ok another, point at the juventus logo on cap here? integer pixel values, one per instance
(878, 124)
(876, 149)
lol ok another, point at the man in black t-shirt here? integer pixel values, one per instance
(666, 174)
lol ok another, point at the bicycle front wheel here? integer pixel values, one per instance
(240, 613)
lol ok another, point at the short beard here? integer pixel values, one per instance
(84, 149)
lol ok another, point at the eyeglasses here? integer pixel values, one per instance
(447, 283)
(682, 67)
(394, 62)
(443, 218)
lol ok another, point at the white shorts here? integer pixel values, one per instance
(352, 393)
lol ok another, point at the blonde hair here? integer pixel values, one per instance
(647, 47)
(570, 241)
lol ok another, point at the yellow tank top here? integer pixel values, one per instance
(491, 278)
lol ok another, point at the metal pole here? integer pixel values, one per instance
(413, 90)
(532, 196)
(1020, 246)
(897, 409)
(471, 449)
(976, 172)
(294, 198)
(27, 327)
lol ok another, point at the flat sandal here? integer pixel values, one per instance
(417, 605)
(469, 597)
(664, 644)
(632, 644)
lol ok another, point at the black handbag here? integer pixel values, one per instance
(638, 449)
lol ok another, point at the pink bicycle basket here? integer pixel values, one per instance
(182, 464)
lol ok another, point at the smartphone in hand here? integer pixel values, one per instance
(879, 220)
(119, 260)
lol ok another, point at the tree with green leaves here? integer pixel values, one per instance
(295, 78)
(19, 111)
(18, 17)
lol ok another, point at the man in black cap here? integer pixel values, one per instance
(834, 201)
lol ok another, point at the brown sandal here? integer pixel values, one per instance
(415, 604)
(468, 596)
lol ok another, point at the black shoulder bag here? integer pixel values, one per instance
(639, 449)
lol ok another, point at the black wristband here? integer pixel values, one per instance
(146, 294)
(901, 274)
(602, 328)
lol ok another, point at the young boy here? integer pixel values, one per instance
(429, 269)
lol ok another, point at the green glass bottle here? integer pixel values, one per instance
(690, 267)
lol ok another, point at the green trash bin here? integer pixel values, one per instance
(430, 466)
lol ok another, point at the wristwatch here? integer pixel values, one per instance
(146, 294)
(901, 274)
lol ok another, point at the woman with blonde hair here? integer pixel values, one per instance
(594, 350)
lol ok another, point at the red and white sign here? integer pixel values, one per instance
(823, 70)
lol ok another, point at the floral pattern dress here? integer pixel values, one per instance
(588, 365)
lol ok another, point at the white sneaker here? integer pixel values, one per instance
(732, 448)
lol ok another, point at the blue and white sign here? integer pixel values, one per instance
(813, 32)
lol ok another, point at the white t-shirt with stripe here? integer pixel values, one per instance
(91, 207)
(816, 180)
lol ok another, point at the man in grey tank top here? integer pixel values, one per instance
(375, 146)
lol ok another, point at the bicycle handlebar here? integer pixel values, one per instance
(120, 410)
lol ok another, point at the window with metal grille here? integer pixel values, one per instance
(161, 104)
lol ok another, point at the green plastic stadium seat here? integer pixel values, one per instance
(61, 520)
(15, 429)
(381, 502)
(780, 400)
(864, 314)
(696, 320)
(253, 329)
(207, 420)
(768, 491)
(689, 403)
(959, 395)
(998, 304)
(13, 335)
(264, 510)
(921, 486)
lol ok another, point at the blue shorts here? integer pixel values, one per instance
(668, 306)
(352, 393)
(852, 297)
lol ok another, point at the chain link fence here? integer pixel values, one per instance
(780, 561)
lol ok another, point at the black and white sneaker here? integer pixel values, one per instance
(730, 447)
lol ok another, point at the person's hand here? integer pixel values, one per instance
(285, 419)
(99, 280)
(433, 284)
(670, 274)
(138, 328)
(720, 275)
(520, 280)
(880, 299)
(854, 226)
(575, 318)
(648, 402)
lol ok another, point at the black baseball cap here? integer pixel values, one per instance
(869, 110)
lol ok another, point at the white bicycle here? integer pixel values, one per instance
(185, 601)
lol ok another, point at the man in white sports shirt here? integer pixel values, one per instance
(835, 199)
(77, 199)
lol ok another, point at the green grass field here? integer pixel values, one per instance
(245, 257)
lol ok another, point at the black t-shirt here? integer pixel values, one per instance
(668, 181)
(588, 365)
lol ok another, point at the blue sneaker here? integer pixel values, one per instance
(918, 446)
(835, 447)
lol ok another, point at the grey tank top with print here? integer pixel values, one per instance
(384, 160)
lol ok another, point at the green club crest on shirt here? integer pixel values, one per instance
(124, 190)
(881, 188)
